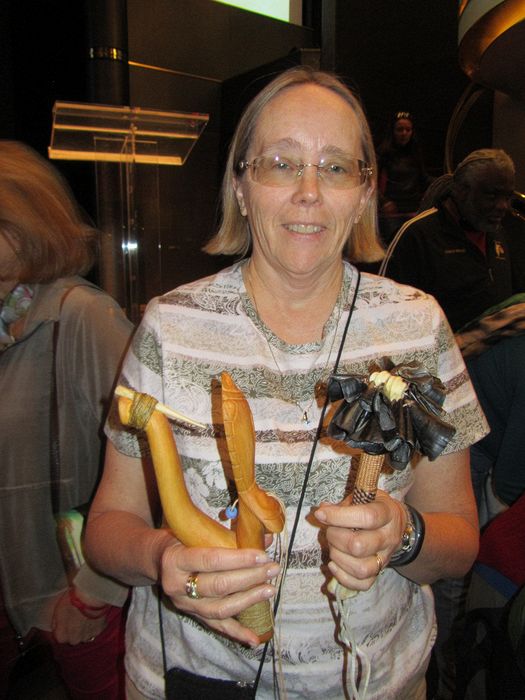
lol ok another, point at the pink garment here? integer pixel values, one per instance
(95, 670)
(501, 543)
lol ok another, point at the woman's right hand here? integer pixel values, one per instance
(71, 626)
(228, 582)
(122, 542)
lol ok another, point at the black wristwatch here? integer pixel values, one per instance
(412, 539)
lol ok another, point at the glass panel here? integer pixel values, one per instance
(123, 134)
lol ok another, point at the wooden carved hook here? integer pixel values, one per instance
(258, 511)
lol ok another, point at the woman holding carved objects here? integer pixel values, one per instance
(298, 192)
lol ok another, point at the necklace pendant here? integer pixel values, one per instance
(305, 419)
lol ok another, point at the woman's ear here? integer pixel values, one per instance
(364, 200)
(237, 186)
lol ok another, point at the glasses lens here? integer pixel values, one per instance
(274, 170)
(343, 173)
(336, 173)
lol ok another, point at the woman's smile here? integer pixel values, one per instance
(304, 228)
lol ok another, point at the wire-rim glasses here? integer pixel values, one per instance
(340, 172)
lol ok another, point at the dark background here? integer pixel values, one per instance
(201, 56)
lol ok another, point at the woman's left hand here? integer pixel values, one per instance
(362, 538)
(70, 626)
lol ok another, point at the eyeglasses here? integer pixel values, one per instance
(339, 173)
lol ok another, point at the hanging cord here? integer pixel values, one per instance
(356, 654)
(160, 593)
(281, 551)
(305, 482)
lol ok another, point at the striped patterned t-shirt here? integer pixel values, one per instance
(187, 338)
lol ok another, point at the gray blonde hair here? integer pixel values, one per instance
(40, 219)
(233, 236)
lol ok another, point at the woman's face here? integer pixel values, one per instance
(403, 130)
(301, 228)
(9, 267)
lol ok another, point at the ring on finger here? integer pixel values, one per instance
(191, 587)
(380, 564)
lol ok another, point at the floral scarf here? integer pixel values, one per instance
(14, 307)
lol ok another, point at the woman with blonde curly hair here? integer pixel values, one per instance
(61, 341)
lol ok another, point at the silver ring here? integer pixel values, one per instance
(191, 587)
(380, 564)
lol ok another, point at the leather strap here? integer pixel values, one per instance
(54, 440)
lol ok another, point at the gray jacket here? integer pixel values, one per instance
(93, 335)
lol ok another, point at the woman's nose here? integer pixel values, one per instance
(308, 184)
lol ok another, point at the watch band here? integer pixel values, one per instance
(412, 539)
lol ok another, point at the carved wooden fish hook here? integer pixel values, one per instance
(258, 511)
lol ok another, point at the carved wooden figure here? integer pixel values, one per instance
(258, 512)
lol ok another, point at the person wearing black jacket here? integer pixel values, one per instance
(459, 250)
(465, 250)
(402, 175)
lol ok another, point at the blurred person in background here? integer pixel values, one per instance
(465, 248)
(61, 343)
(402, 176)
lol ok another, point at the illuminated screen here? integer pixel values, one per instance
(285, 10)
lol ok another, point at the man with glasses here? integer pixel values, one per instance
(458, 250)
